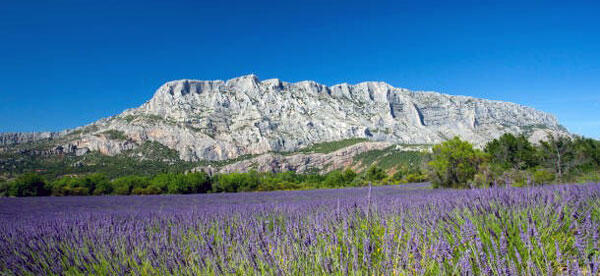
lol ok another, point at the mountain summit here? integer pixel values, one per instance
(220, 120)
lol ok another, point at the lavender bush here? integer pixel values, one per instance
(392, 230)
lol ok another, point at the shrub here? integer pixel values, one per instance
(589, 177)
(543, 176)
(150, 190)
(79, 191)
(398, 175)
(97, 181)
(90, 184)
(375, 173)
(124, 185)
(349, 175)
(28, 185)
(103, 188)
(516, 178)
(196, 183)
(415, 178)
(454, 163)
(236, 182)
(481, 180)
(333, 179)
(338, 178)
(4, 186)
(64, 185)
(408, 174)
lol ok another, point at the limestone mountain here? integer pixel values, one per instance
(221, 120)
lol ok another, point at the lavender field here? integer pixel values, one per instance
(392, 230)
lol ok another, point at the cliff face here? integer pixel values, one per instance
(218, 120)
(9, 138)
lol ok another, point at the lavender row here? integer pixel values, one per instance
(392, 230)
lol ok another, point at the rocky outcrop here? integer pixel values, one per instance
(102, 144)
(68, 149)
(10, 138)
(220, 120)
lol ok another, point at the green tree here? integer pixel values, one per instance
(349, 175)
(28, 184)
(4, 186)
(185, 183)
(98, 184)
(399, 174)
(124, 185)
(92, 181)
(198, 182)
(542, 176)
(511, 151)
(375, 173)
(68, 185)
(559, 154)
(177, 184)
(454, 163)
(236, 182)
(587, 153)
(161, 182)
(333, 179)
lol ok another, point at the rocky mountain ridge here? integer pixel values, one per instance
(9, 138)
(220, 120)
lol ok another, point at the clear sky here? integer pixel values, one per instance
(67, 63)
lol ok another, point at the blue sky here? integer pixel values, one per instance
(68, 63)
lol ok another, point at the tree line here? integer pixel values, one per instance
(199, 182)
(509, 160)
(514, 160)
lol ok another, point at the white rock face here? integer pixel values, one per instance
(218, 120)
(9, 138)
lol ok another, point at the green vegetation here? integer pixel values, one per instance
(511, 160)
(179, 183)
(513, 152)
(90, 184)
(115, 134)
(375, 173)
(390, 158)
(454, 163)
(27, 185)
(152, 158)
(328, 147)
(145, 117)
(148, 159)
(152, 168)
(228, 161)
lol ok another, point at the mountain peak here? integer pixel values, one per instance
(250, 81)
